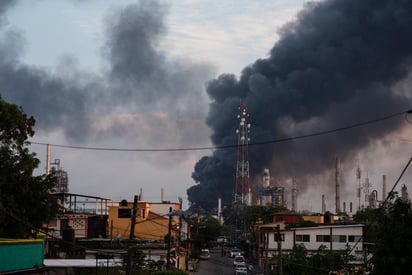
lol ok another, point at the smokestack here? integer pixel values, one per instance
(48, 159)
(219, 209)
(162, 195)
(404, 193)
(350, 207)
(383, 188)
(294, 195)
(337, 179)
(249, 197)
(323, 204)
(358, 177)
(266, 178)
(141, 194)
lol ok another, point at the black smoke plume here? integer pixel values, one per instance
(141, 94)
(337, 64)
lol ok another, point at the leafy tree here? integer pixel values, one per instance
(393, 247)
(323, 261)
(242, 216)
(207, 229)
(25, 201)
(372, 219)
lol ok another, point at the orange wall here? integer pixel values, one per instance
(149, 225)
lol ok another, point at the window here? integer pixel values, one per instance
(276, 236)
(124, 213)
(353, 239)
(323, 238)
(339, 238)
(303, 238)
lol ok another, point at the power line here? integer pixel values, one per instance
(230, 145)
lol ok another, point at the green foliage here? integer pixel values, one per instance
(241, 215)
(207, 229)
(371, 218)
(393, 247)
(323, 261)
(170, 272)
(25, 202)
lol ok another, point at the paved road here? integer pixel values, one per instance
(217, 265)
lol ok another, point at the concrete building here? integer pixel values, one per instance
(333, 237)
(151, 221)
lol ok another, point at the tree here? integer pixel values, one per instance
(25, 201)
(393, 249)
(322, 261)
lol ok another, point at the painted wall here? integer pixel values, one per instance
(20, 254)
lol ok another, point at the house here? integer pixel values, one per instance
(286, 217)
(331, 236)
(152, 220)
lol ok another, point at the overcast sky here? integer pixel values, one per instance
(79, 66)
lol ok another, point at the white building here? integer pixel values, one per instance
(333, 237)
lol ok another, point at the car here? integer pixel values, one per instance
(239, 261)
(235, 252)
(204, 254)
(241, 271)
(222, 239)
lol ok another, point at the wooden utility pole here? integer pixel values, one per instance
(280, 261)
(169, 241)
(180, 233)
(133, 219)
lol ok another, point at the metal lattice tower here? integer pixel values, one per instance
(242, 185)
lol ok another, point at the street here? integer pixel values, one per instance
(217, 265)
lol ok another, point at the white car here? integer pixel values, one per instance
(204, 254)
(235, 252)
(239, 261)
(241, 270)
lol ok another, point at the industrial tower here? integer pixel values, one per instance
(54, 168)
(337, 186)
(242, 185)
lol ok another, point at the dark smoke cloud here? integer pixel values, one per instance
(141, 84)
(336, 65)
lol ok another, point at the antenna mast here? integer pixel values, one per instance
(242, 185)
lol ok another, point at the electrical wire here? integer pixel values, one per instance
(406, 116)
(230, 145)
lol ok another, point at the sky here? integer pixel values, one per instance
(136, 75)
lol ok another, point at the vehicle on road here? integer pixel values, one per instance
(235, 252)
(204, 254)
(222, 239)
(241, 272)
(239, 261)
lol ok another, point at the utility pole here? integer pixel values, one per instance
(180, 233)
(169, 241)
(133, 219)
(280, 261)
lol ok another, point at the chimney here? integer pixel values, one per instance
(383, 188)
(337, 179)
(323, 204)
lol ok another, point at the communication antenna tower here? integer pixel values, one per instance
(242, 185)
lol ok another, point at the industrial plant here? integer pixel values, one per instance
(271, 192)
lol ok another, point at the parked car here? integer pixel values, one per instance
(204, 254)
(239, 261)
(222, 239)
